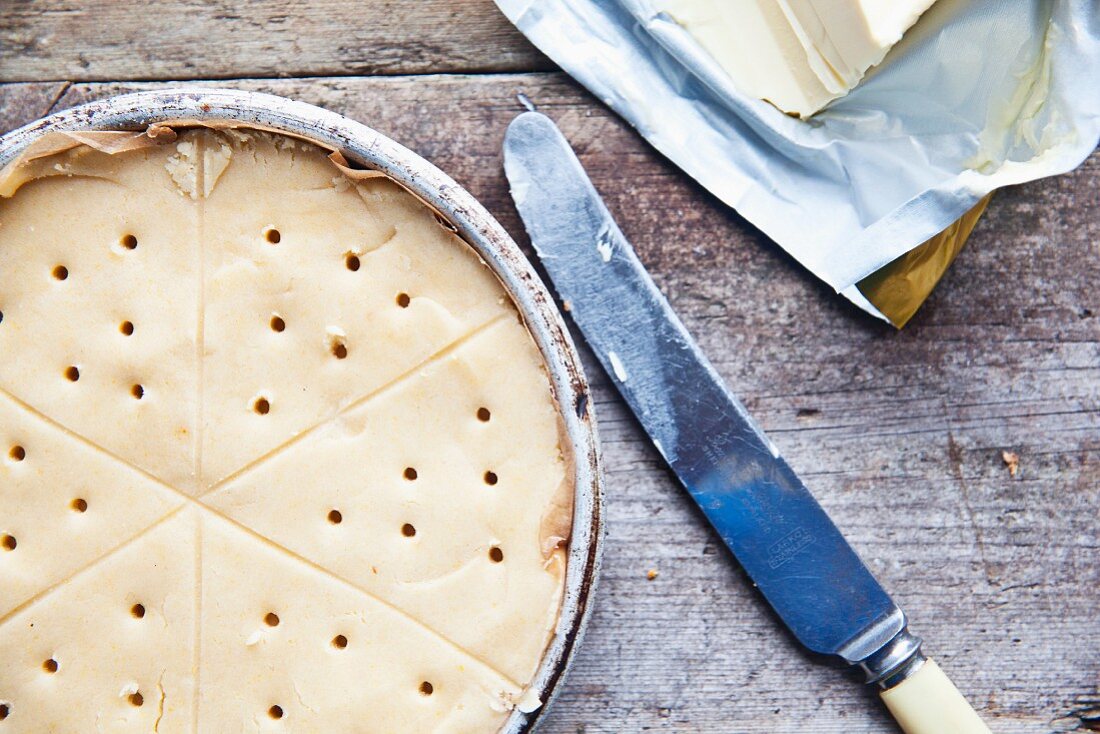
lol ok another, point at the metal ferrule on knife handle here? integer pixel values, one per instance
(895, 661)
(760, 508)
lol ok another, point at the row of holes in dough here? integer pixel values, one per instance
(262, 406)
(129, 242)
(275, 712)
(340, 642)
(489, 477)
(351, 262)
(496, 555)
(17, 454)
(72, 374)
(137, 611)
(9, 542)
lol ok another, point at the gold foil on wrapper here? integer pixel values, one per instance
(897, 290)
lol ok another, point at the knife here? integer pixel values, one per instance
(762, 511)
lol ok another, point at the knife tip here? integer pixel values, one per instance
(530, 127)
(524, 100)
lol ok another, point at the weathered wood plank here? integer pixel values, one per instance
(899, 434)
(23, 103)
(86, 40)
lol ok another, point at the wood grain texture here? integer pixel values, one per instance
(87, 40)
(899, 434)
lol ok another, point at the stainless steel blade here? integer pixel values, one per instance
(760, 508)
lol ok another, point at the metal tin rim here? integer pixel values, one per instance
(480, 230)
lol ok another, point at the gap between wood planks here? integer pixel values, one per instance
(319, 75)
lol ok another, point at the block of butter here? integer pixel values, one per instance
(797, 54)
(276, 451)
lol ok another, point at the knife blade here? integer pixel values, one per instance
(759, 507)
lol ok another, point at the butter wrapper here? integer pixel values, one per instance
(979, 94)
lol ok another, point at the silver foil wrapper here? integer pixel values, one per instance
(979, 94)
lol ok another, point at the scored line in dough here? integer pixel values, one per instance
(357, 403)
(91, 564)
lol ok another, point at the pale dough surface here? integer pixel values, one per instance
(276, 453)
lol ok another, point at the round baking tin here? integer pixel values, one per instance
(366, 147)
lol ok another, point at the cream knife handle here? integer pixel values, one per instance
(927, 702)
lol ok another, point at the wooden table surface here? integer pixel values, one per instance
(899, 434)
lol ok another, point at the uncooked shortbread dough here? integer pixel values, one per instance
(276, 451)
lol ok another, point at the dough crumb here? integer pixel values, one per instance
(184, 169)
(652, 574)
(1012, 461)
(214, 162)
(529, 701)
